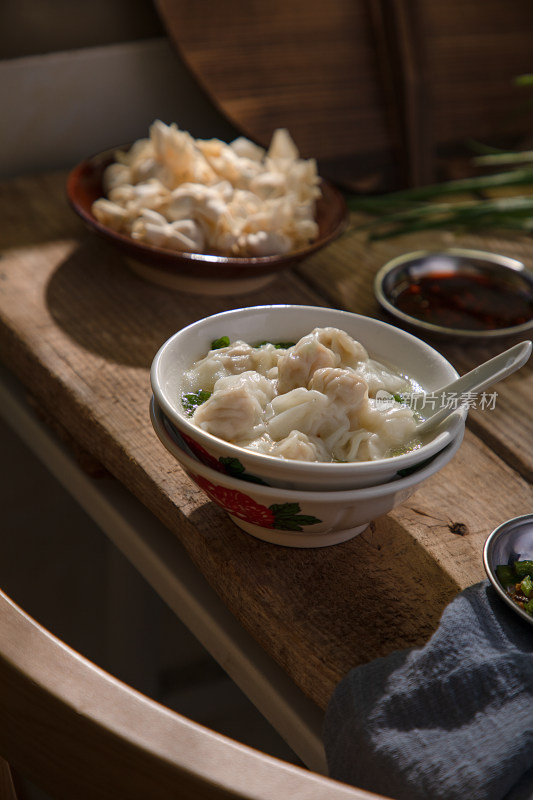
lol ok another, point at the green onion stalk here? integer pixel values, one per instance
(410, 211)
(425, 207)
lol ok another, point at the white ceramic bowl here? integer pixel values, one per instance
(292, 517)
(384, 342)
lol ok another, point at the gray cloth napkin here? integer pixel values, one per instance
(452, 720)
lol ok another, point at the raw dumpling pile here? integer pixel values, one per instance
(311, 401)
(205, 196)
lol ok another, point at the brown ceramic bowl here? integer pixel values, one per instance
(197, 272)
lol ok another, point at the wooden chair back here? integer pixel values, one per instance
(77, 732)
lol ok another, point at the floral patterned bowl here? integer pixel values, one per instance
(291, 517)
(384, 342)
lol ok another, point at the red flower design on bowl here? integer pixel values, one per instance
(201, 454)
(237, 503)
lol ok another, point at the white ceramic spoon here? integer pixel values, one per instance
(478, 379)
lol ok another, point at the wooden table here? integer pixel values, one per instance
(79, 331)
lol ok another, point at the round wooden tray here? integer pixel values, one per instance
(376, 91)
(305, 65)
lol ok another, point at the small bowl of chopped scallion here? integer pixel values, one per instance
(508, 561)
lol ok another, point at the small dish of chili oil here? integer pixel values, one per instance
(458, 292)
(508, 560)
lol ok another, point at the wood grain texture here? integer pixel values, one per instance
(377, 90)
(77, 732)
(475, 50)
(80, 331)
(309, 66)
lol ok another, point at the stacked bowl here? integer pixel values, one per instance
(287, 501)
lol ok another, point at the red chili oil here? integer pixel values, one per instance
(466, 301)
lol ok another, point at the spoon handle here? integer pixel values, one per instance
(478, 379)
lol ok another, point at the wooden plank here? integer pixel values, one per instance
(80, 331)
(475, 50)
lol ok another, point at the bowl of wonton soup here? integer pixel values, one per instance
(294, 517)
(305, 397)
